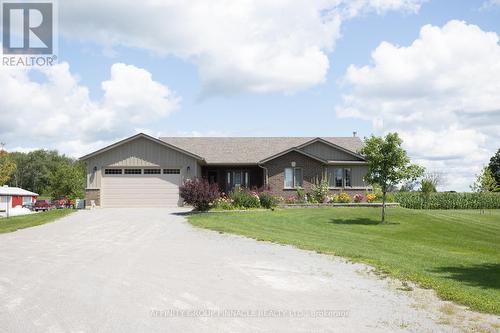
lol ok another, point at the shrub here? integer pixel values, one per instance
(223, 202)
(446, 200)
(319, 191)
(343, 197)
(244, 198)
(267, 200)
(370, 197)
(301, 195)
(331, 198)
(358, 198)
(199, 193)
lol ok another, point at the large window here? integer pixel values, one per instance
(293, 177)
(339, 177)
(238, 178)
(27, 200)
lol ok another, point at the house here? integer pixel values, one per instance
(11, 197)
(143, 171)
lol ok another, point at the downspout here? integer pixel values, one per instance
(266, 181)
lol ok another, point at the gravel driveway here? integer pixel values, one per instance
(126, 270)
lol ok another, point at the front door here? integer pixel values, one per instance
(212, 176)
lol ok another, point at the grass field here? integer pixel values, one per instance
(19, 222)
(455, 252)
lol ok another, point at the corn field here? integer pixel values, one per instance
(416, 200)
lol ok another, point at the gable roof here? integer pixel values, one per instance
(137, 136)
(253, 150)
(6, 190)
(336, 146)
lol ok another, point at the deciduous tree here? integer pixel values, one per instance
(389, 163)
(7, 167)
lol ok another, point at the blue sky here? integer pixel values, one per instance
(194, 77)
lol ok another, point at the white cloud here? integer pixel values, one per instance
(247, 45)
(441, 93)
(58, 111)
(489, 4)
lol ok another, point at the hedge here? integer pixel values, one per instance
(445, 200)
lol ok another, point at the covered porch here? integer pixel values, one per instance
(229, 177)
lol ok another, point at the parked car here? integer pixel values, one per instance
(30, 206)
(43, 205)
(64, 203)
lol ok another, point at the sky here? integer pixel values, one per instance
(429, 70)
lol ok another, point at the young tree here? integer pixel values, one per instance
(7, 167)
(389, 163)
(67, 181)
(495, 166)
(485, 182)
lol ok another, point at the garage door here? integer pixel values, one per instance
(140, 188)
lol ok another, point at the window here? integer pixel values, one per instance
(339, 177)
(133, 171)
(27, 200)
(152, 171)
(172, 171)
(293, 177)
(237, 179)
(347, 177)
(112, 171)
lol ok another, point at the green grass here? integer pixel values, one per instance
(20, 222)
(455, 252)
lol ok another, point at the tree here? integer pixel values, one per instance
(495, 166)
(485, 182)
(409, 186)
(435, 178)
(7, 167)
(67, 181)
(426, 188)
(35, 168)
(389, 164)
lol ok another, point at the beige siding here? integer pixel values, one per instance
(139, 153)
(328, 153)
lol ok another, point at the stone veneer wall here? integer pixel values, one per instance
(92, 194)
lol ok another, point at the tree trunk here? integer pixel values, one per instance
(383, 207)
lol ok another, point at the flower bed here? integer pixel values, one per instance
(347, 204)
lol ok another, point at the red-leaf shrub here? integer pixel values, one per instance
(199, 193)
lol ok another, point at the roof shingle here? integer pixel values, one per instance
(249, 150)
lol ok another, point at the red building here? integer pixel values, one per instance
(11, 197)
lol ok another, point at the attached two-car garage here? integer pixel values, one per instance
(140, 171)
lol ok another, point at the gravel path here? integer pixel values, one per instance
(134, 270)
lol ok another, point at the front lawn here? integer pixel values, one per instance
(455, 252)
(25, 221)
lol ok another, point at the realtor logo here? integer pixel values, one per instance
(28, 31)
